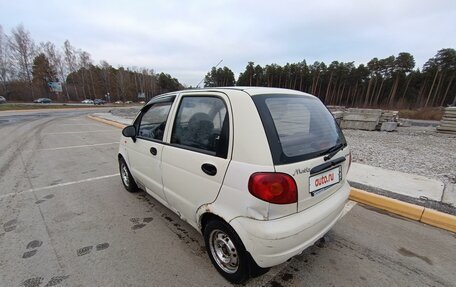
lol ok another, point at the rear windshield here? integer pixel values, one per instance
(298, 127)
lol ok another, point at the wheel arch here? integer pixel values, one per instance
(207, 216)
(122, 154)
(253, 269)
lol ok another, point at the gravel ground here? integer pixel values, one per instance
(129, 113)
(417, 149)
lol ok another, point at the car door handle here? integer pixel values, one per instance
(153, 151)
(209, 169)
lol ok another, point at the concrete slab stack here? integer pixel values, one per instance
(336, 108)
(338, 115)
(388, 126)
(365, 119)
(361, 119)
(389, 116)
(448, 122)
(388, 121)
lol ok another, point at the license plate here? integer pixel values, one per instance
(322, 181)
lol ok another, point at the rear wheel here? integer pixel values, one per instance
(226, 251)
(127, 180)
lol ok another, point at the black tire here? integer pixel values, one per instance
(255, 270)
(220, 236)
(127, 180)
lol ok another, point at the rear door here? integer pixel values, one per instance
(195, 161)
(301, 133)
(145, 153)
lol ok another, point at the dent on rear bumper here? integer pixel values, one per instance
(275, 241)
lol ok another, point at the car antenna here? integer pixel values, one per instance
(205, 76)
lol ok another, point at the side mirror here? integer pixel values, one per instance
(129, 132)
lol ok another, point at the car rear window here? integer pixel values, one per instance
(298, 127)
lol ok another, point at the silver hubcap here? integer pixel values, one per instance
(223, 251)
(124, 174)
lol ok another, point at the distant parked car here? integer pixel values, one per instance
(118, 102)
(99, 102)
(42, 101)
(128, 102)
(142, 102)
(87, 101)
(2, 100)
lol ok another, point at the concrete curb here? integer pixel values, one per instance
(111, 123)
(408, 210)
(404, 209)
(51, 109)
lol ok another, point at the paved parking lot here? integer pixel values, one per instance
(65, 220)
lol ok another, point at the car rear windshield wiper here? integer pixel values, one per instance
(332, 151)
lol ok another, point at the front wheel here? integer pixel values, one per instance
(127, 179)
(226, 251)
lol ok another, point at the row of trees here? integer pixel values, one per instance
(389, 82)
(27, 68)
(221, 77)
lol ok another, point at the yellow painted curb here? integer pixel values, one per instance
(108, 122)
(405, 209)
(395, 206)
(439, 219)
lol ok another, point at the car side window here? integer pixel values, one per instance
(202, 124)
(153, 121)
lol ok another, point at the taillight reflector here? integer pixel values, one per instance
(278, 188)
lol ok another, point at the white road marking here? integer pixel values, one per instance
(98, 131)
(348, 206)
(77, 125)
(61, 184)
(70, 147)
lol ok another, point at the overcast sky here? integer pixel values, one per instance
(187, 38)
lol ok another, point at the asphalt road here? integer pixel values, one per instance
(66, 220)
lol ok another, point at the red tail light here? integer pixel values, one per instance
(279, 188)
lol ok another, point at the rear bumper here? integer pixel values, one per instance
(275, 241)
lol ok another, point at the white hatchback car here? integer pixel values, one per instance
(87, 101)
(260, 172)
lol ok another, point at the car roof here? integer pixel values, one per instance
(253, 91)
(249, 91)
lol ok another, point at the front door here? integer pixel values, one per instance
(145, 153)
(197, 157)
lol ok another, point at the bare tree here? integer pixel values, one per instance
(56, 62)
(152, 83)
(84, 65)
(122, 83)
(142, 80)
(70, 57)
(5, 63)
(140, 75)
(55, 59)
(106, 76)
(22, 52)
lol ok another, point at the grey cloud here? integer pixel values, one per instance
(185, 39)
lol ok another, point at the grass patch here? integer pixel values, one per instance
(434, 114)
